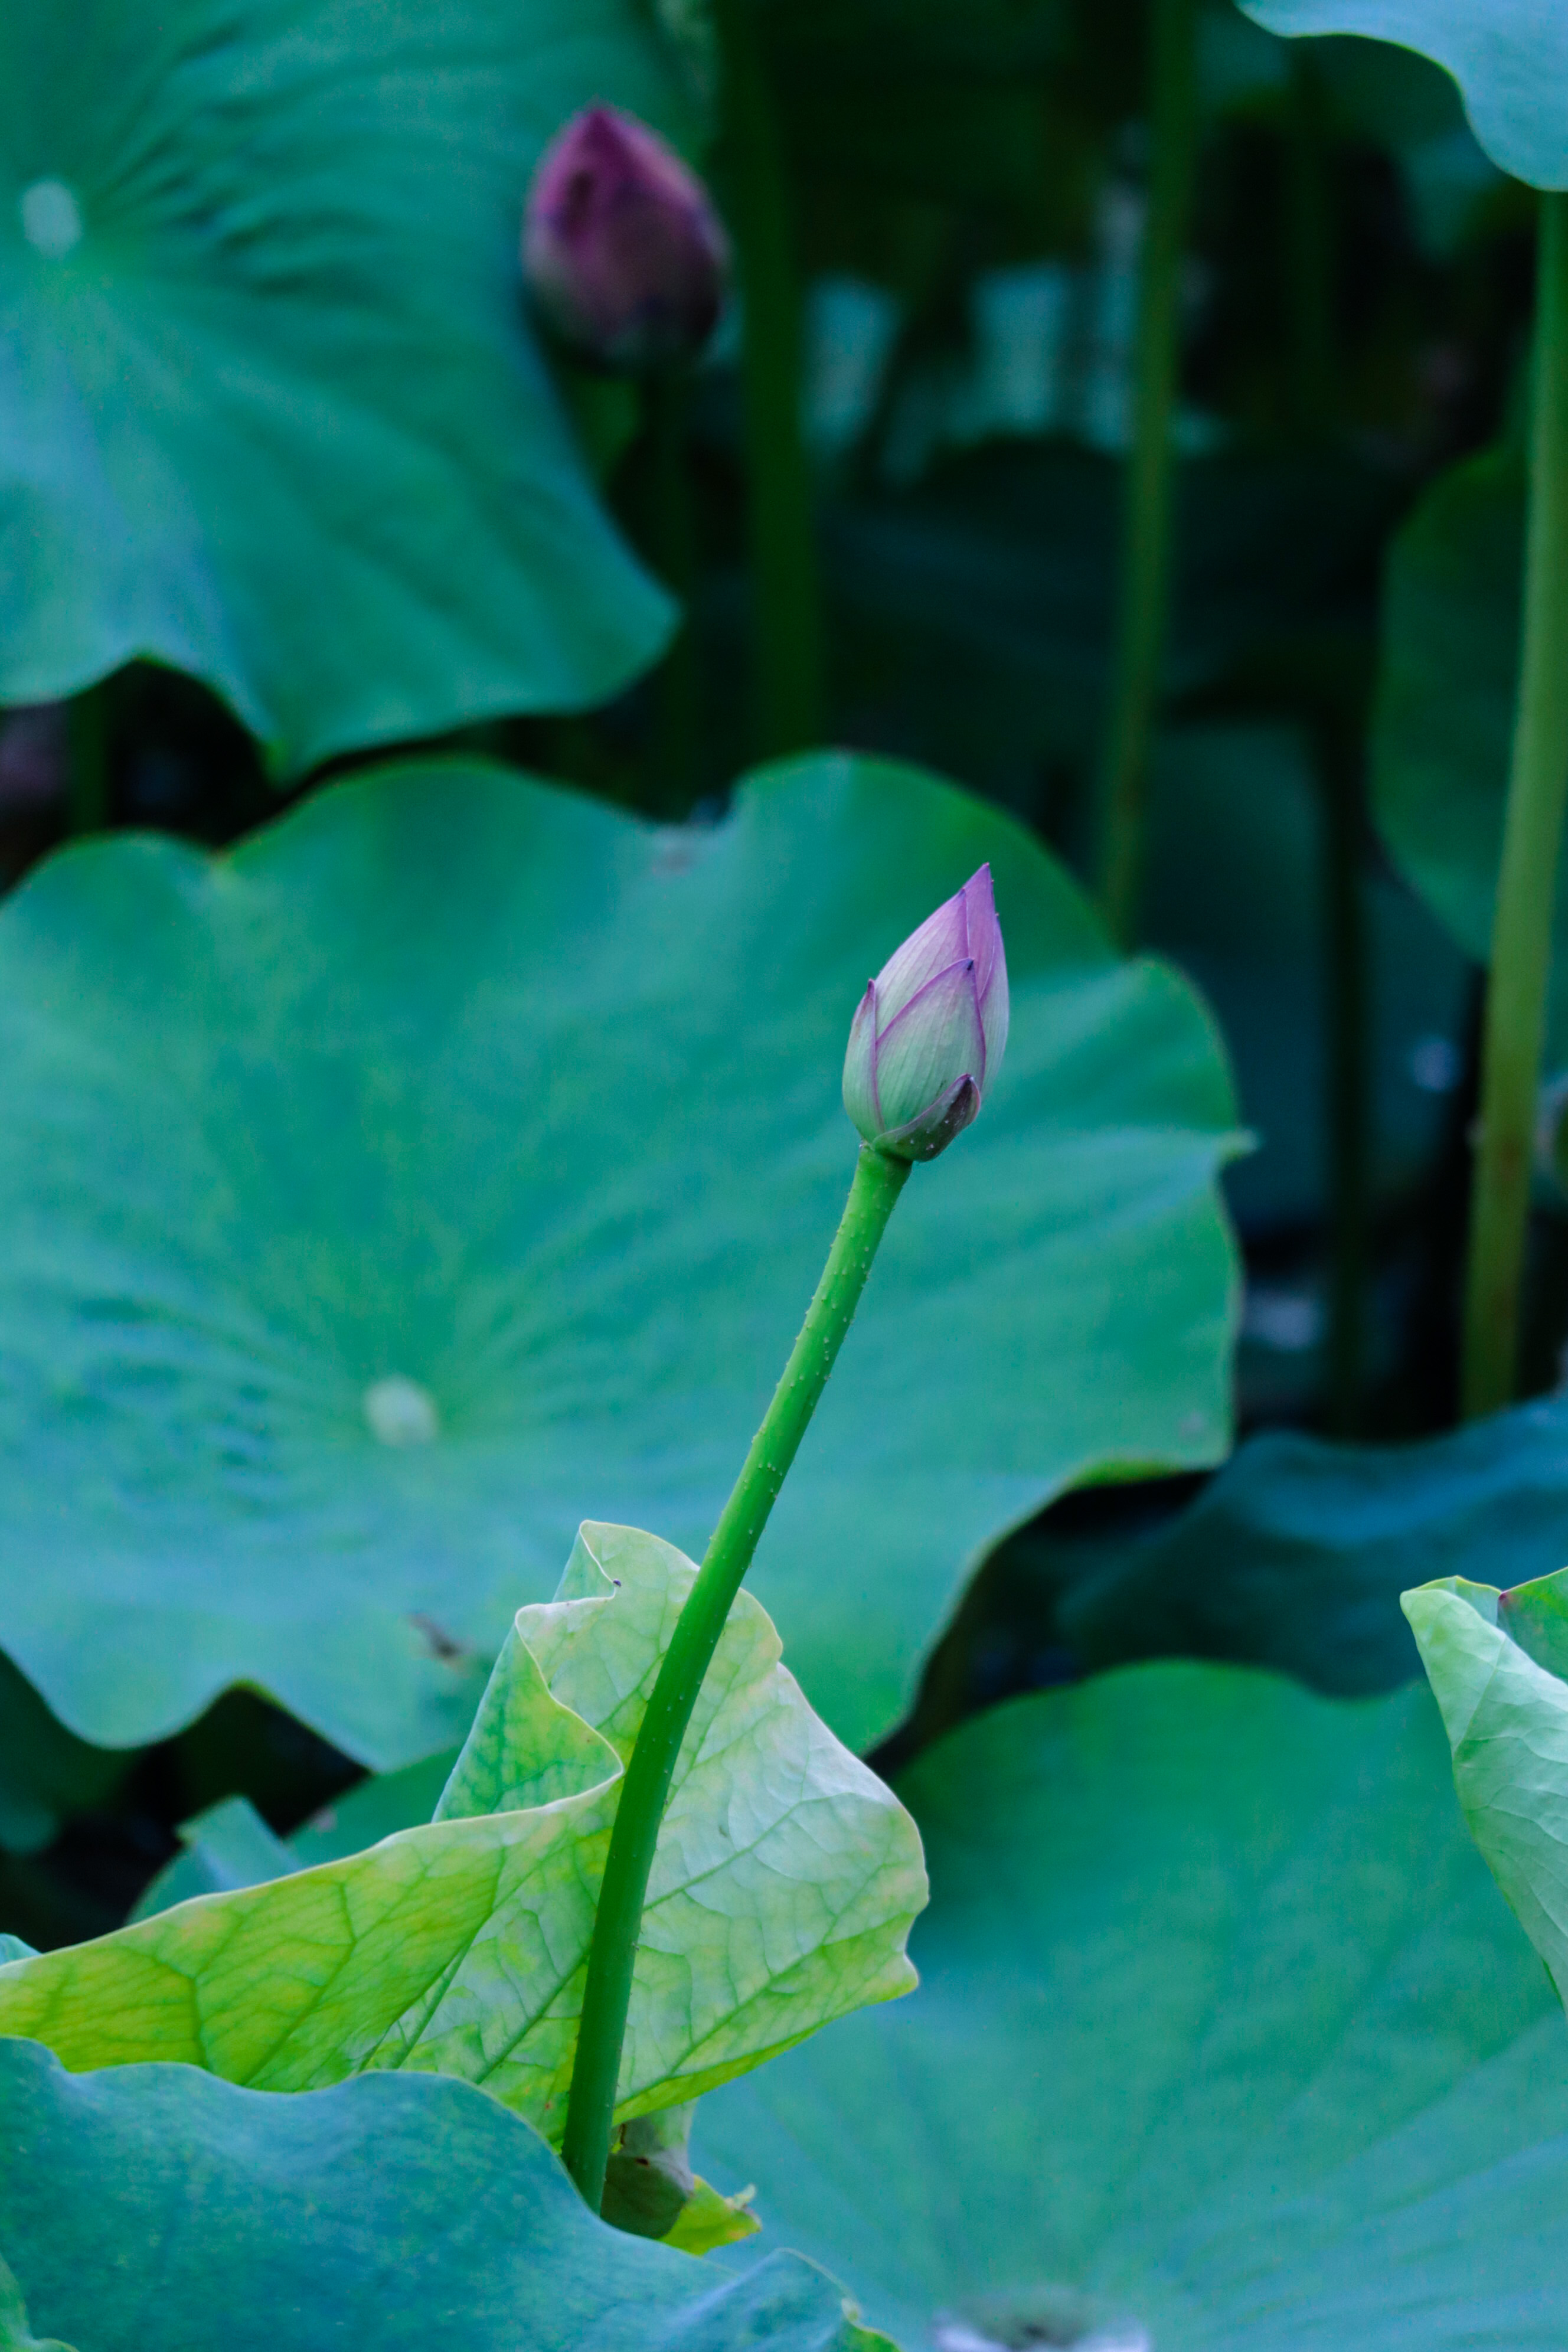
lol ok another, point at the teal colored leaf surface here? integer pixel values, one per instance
(1297, 1553)
(783, 1888)
(1509, 58)
(1498, 1662)
(270, 410)
(1224, 2042)
(155, 2205)
(458, 1156)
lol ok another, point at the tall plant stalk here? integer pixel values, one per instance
(1309, 285)
(590, 2113)
(673, 547)
(1145, 590)
(1347, 1009)
(1527, 880)
(87, 735)
(786, 588)
(1309, 278)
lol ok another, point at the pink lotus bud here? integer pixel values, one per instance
(623, 255)
(928, 1034)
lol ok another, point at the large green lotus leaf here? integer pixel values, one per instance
(1498, 1662)
(155, 2206)
(1509, 58)
(454, 1080)
(783, 1888)
(1225, 2042)
(1296, 1554)
(269, 407)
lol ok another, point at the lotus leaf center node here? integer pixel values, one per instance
(401, 1412)
(51, 218)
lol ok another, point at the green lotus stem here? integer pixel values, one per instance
(787, 616)
(590, 2113)
(1346, 1025)
(1144, 591)
(1309, 225)
(88, 736)
(1527, 880)
(672, 533)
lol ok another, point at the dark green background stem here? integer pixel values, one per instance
(1348, 1015)
(1144, 593)
(88, 735)
(1308, 276)
(1527, 880)
(786, 594)
(606, 1998)
(678, 723)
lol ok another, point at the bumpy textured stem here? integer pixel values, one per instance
(787, 617)
(606, 1998)
(1527, 881)
(1146, 536)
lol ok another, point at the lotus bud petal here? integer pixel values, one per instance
(927, 1035)
(622, 253)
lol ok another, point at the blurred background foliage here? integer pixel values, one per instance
(970, 190)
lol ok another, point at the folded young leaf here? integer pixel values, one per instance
(1498, 1662)
(783, 1890)
(651, 2190)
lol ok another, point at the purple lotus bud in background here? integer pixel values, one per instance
(928, 1034)
(623, 252)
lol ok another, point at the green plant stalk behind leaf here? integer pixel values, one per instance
(89, 761)
(782, 1893)
(1146, 547)
(1527, 884)
(585, 2147)
(786, 595)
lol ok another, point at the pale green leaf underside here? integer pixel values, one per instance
(1506, 1714)
(155, 2207)
(1223, 2035)
(270, 410)
(455, 1079)
(1509, 58)
(782, 1892)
